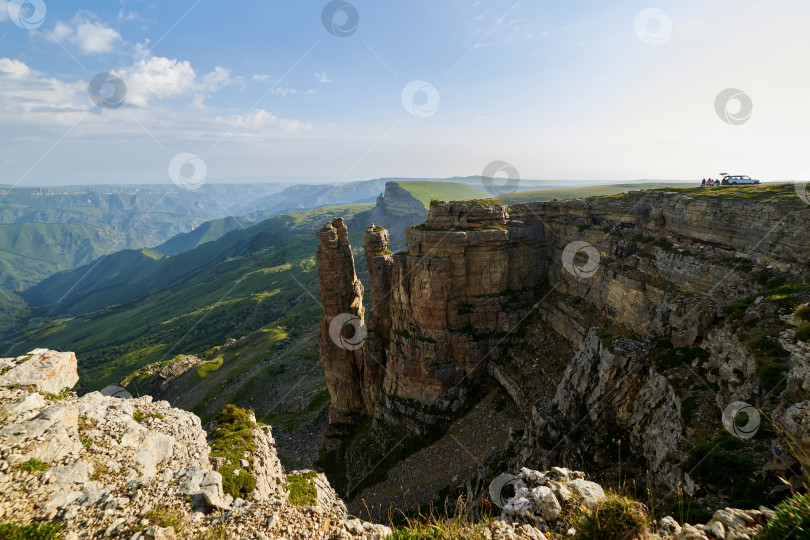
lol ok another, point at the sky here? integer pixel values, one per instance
(318, 91)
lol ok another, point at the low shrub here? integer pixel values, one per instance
(803, 313)
(792, 520)
(803, 333)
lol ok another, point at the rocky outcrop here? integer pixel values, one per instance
(399, 202)
(45, 370)
(135, 469)
(155, 378)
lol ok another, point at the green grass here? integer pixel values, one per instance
(232, 438)
(140, 416)
(33, 465)
(792, 520)
(302, 491)
(803, 312)
(425, 192)
(803, 333)
(614, 518)
(209, 367)
(35, 531)
(64, 394)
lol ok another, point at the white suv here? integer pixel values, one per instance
(733, 180)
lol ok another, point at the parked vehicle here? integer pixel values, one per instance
(734, 179)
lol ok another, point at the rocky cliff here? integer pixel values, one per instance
(100, 466)
(398, 202)
(619, 326)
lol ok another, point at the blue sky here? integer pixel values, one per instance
(261, 89)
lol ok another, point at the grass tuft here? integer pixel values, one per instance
(33, 465)
(615, 518)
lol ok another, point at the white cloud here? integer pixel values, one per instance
(86, 34)
(198, 102)
(322, 77)
(3, 10)
(260, 120)
(261, 77)
(142, 50)
(30, 95)
(164, 78)
(284, 92)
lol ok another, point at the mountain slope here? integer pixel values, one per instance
(207, 232)
(139, 307)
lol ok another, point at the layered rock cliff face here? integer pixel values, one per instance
(398, 202)
(623, 324)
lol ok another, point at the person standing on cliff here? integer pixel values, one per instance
(703, 184)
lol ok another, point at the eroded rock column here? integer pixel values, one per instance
(380, 262)
(342, 323)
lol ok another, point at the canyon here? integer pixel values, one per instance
(607, 334)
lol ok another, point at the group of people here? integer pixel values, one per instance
(710, 182)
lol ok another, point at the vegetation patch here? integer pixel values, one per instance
(35, 531)
(792, 520)
(209, 367)
(671, 357)
(614, 518)
(302, 491)
(141, 416)
(60, 396)
(164, 517)
(33, 465)
(232, 438)
(720, 464)
(803, 333)
(803, 313)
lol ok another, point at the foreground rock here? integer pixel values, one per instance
(137, 469)
(45, 370)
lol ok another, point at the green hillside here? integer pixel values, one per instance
(425, 192)
(139, 307)
(207, 232)
(577, 193)
(47, 230)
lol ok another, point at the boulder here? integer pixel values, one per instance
(45, 370)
